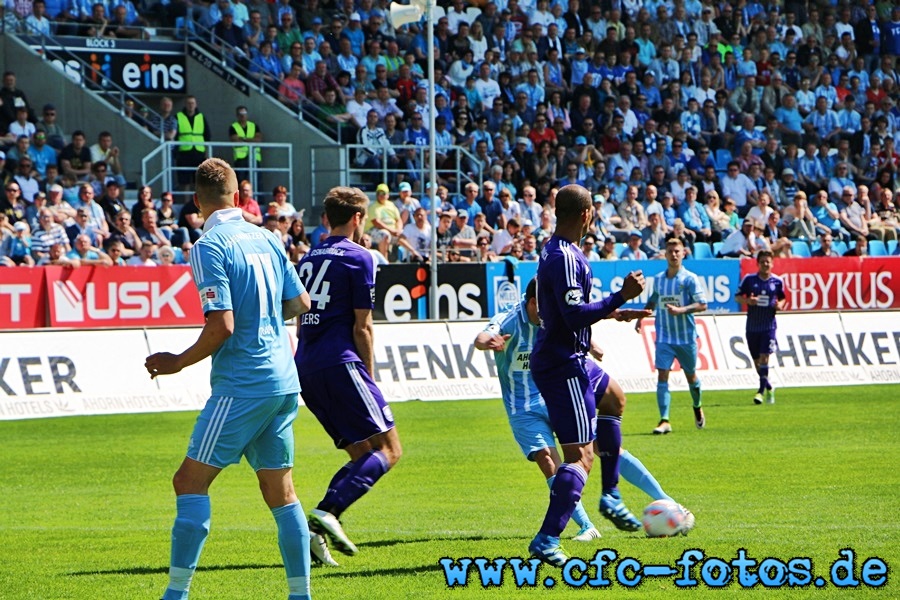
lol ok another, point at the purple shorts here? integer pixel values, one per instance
(347, 403)
(571, 394)
(761, 342)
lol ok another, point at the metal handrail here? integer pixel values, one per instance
(350, 174)
(107, 91)
(305, 110)
(163, 176)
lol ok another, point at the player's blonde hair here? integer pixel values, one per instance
(342, 202)
(216, 181)
(674, 242)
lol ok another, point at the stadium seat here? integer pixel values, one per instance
(892, 247)
(472, 13)
(840, 246)
(877, 248)
(716, 247)
(439, 12)
(800, 249)
(620, 247)
(702, 250)
(723, 157)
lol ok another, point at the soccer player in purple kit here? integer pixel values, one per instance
(335, 358)
(573, 387)
(764, 295)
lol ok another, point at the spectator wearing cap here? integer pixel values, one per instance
(355, 34)
(464, 236)
(406, 204)
(384, 223)
(112, 202)
(15, 249)
(56, 138)
(24, 176)
(633, 250)
(606, 252)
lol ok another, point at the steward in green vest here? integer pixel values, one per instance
(193, 132)
(244, 130)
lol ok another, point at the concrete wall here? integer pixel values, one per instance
(217, 100)
(76, 109)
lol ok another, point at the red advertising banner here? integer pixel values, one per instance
(23, 303)
(848, 283)
(122, 297)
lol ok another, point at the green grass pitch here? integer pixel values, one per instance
(87, 502)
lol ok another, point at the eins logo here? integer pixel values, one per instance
(153, 76)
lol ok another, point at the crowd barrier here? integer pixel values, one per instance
(90, 297)
(61, 373)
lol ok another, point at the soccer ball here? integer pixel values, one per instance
(663, 518)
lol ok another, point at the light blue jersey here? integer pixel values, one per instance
(681, 290)
(243, 268)
(520, 394)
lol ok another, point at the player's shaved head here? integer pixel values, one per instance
(571, 202)
(216, 184)
(341, 203)
(531, 289)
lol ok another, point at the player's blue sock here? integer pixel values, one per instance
(293, 540)
(609, 443)
(362, 476)
(634, 472)
(579, 515)
(327, 503)
(189, 532)
(663, 399)
(564, 495)
(696, 393)
(764, 384)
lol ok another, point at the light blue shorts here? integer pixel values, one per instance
(532, 430)
(685, 353)
(258, 428)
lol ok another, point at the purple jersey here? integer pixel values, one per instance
(768, 292)
(340, 278)
(563, 288)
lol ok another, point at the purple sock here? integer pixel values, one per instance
(764, 378)
(564, 494)
(362, 476)
(609, 440)
(327, 503)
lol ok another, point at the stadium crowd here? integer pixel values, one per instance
(734, 126)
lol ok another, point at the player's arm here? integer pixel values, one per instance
(650, 306)
(744, 296)
(364, 337)
(578, 315)
(493, 337)
(218, 328)
(296, 306)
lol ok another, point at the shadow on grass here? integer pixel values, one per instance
(375, 544)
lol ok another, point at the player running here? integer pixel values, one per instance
(764, 295)
(510, 335)
(335, 356)
(248, 287)
(576, 391)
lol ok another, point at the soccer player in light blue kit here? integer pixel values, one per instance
(764, 294)
(510, 335)
(248, 287)
(677, 296)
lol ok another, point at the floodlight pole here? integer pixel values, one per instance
(432, 160)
